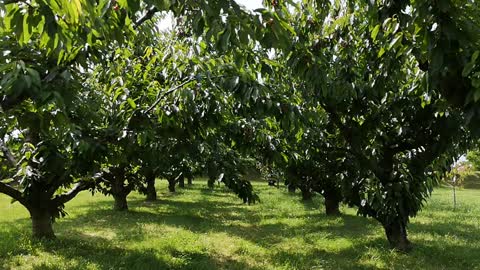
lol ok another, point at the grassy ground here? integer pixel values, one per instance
(200, 229)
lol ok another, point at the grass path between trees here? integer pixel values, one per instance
(200, 229)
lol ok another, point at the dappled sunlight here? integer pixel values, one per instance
(212, 230)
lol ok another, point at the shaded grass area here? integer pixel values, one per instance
(196, 228)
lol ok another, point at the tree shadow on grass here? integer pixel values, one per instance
(84, 248)
(78, 250)
(263, 230)
(215, 216)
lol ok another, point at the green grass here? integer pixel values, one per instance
(200, 229)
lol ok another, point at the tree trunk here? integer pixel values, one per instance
(120, 202)
(151, 191)
(181, 181)
(119, 190)
(42, 224)
(332, 206)
(211, 182)
(291, 188)
(171, 185)
(190, 181)
(306, 194)
(397, 236)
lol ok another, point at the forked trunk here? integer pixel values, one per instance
(42, 224)
(120, 202)
(397, 236)
(151, 191)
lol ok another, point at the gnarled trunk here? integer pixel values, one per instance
(151, 191)
(42, 223)
(396, 233)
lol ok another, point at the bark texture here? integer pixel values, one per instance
(42, 224)
(397, 236)
(120, 202)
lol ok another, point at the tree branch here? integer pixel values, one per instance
(65, 197)
(146, 17)
(160, 97)
(13, 193)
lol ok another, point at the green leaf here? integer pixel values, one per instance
(375, 32)
(381, 52)
(468, 68)
(131, 103)
(224, 39)
(396, 41)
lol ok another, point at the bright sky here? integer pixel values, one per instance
(250, 4)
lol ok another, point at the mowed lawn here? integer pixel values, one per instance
(200, 229)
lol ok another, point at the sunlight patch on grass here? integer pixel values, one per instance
(197, 228)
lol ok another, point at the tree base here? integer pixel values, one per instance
(42, 226)
(120, 203)
(171, 185)
(211, 183)
(151, 191)
(151, 197)
(181, 182)
(332, 207)
(307, 195)
(397, 237)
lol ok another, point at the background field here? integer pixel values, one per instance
(200, 229)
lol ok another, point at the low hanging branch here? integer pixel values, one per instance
(66, 197)
(13, 193)
(165, 94)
